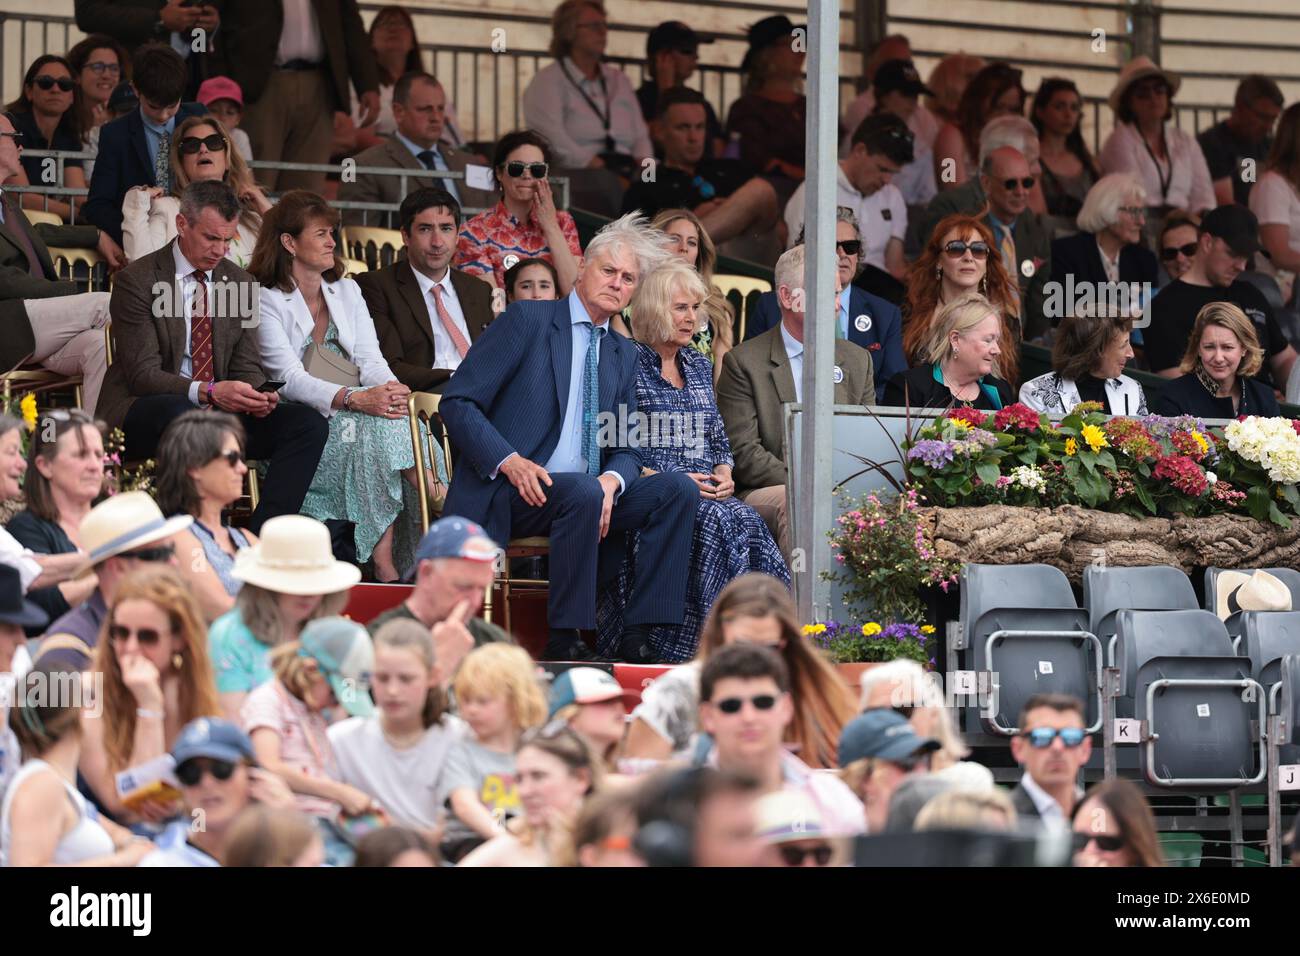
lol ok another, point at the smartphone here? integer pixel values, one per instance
(270, 386)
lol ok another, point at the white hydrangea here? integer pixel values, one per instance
(1211, 478)
(1269, 442)
(1029, 478)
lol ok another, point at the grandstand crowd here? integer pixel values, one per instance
(242, 345)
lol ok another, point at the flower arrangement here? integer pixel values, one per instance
(136, 477)
(1136, 466)
(872, 642)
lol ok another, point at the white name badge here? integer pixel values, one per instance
(839, 375)
(862, 323)
(478, 177)
(1028, 269)
(509, 261)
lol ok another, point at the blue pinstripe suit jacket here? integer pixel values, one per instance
(509, 395)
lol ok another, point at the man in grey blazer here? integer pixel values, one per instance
(420, 109)
(185, 326)
(765, 372)
(1052, 746)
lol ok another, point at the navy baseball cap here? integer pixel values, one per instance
(454, 537)
(883, 733)
(214, 738)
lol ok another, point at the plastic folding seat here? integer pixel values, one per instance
(1284, 699)
(1021, 624)
(1198, 699)
(1269, 636)
(1107, 591)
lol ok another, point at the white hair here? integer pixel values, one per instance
(1102, 204)
(649, 247)
(1014, 131)
(789, 269)
(909, 682)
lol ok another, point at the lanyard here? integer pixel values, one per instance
(1164, 180)
(604, 92)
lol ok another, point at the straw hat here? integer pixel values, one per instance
(294, 556)
(1260, 591)
(123, 523)
(1139, 68)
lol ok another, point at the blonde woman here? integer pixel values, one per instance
(961, 352)
(201, 150)
(1223, 354)
(674, 383)
(964, 810)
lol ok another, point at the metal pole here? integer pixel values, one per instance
(818, 392)
(1146, 30)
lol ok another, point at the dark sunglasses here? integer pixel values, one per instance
(1108, 843)
(957, 248)
(191, 771)
(732, 705)
(904, 710)
(1041, 738)
(216, 143)
(850, 247)
(48, 83)
(536, 170)
(1027, 182)
(160, 554)
(232, 457)
(147, 636)
(1170, 253)
(15, 136)
(795, 855)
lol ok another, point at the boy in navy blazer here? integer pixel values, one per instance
(525, 429)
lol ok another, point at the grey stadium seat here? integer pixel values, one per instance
(1109, 590)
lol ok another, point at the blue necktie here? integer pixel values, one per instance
(591, 401)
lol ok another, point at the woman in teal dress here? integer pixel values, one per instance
(316, 336)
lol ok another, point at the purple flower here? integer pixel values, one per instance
(932, 452)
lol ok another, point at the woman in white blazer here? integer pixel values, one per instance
(201, 149)
(1088, 357)
(312, 316)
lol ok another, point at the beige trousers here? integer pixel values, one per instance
(69, 333)
(292, 122)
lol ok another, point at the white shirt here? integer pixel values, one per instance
(1273, 200)
(22, 559)
(554, 107)
(405, 782)
(842, 813)
(1048, 808)
(915, 180)
(1110, 265)
(1188, 176)
(300, 37)
(794, 349)
(188, 284)
(439, 162)
(444, 350)
(881, 216)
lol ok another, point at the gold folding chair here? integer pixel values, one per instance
(423, 407)
(739, 290)
(368, 243)
(39, 216)
(66, 262)
(355, 266)
(35, 378)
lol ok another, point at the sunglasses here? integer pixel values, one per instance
(147, 636)
(16, 137)
(216, 143)
(48, 83)
(162, 553)
(1027, 183)
(957, 248)
(732, 705)
(191, 771)
(1170, 253)
(112, 69)
(536, 170)
(1107, 843)
(795, 855)
(1041, 738)
(850, 247)
(232, 457)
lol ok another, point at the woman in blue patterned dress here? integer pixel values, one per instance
(312, 316)
(681, 430)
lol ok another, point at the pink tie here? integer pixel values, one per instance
(445, 317)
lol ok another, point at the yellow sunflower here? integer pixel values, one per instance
(1071, 446)
(1094, 436)
(28, 408)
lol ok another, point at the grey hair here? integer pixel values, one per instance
(1102, 204)
(845, 214)
(632, 232)
(8, 423)
(204, 193)
(1014, 131)
(910, 799)
(790, 268)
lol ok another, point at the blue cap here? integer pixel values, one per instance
(583, 685)
(454, 537)
(884, 733)
(212, 737)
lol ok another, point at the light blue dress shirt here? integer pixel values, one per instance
(794, 351)
(438, 161)
(153, 136)
(844, 311)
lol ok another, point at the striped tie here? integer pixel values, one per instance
(591, 401)
(200, 332)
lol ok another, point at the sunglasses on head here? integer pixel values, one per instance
(850, 247)
(536, 170)
(191, 771)
(1170, 253)
(232, 457)
(732, 705)
(1107, 843)
(189, 145)
(162, 553)
(147, 636)
(1027, 183)
(1041, 737)
(48, 83)
(795, 855)
(957, 248)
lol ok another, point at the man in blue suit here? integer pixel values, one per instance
(136, 147)
(864, 319)
(540, 413)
